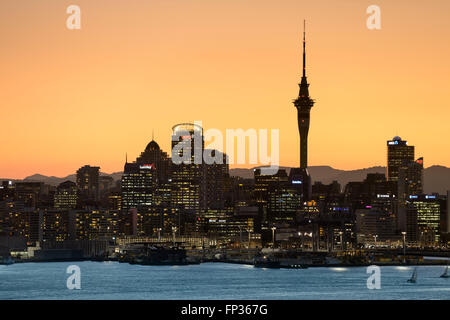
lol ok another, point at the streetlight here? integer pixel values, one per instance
(174, 230)
(159, 234)
(249, 231)
(404, 245)
(240, 238)
(273, 236)
(301, 239)
(342, 243)
(375, 236)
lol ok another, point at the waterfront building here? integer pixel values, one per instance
(373, 224)
(97, 224)
(58, 225)
(423, 216)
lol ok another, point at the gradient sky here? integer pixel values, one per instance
(70, 98)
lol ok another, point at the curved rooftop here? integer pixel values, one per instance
(152, 145)
(189, 127)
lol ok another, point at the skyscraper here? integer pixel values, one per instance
(188, 177)
(303, 104)
(399, 154)
(138, 199)
(423, 219)
(154, 155)
(66, 195)
(407, 174)
(217, 175)
(87, 183)
(138, 186)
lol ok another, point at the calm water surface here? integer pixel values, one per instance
(112, 280)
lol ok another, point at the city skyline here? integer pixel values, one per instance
(99, 99)
(162, 150)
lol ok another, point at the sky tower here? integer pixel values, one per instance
(303, 104)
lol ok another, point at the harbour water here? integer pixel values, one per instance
(113, 280)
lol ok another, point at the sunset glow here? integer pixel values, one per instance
(75, 97)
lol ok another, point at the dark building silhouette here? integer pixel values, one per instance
(88, 183)
(303, 104)
(29, 193)
(322, 191)
(155, 156)
(217, 175)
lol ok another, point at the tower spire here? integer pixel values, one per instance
(304, 48)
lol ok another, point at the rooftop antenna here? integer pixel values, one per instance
(304, 48)
(153, 134)
(126, 157)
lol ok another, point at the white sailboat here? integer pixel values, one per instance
(413, 278)
(445, 274)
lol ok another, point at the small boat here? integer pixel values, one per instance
(445, 274)
(7, 261)
(273, 263)
(267, 264)
(413, 278)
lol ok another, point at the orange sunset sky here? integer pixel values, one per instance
(75, 97)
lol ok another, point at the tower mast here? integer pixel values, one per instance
(303, 103)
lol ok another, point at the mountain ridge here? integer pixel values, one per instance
(436, 177)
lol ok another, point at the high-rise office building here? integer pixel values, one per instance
(58, 225)
(29, 193)
(96, 224)
(399, 154)
(303, 104)
(158, 158)
(217, 175)
(373, 222)
(276, 196)
(414, 176)
(138, 187)
(407, 173)
(423, 219)
(447, 214)
(188, 176)
(88, 183)
(66, 195)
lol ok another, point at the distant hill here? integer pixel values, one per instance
(54, 181)
(436, 178)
